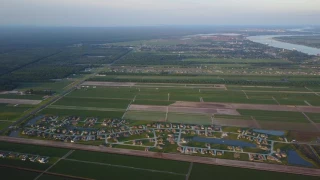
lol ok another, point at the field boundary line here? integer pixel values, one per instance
(313, 123)
(189, 171)
(134, 98)
(256, 122)
(276, 100)
(245, 94)
(307, 103)
(312, 91)
(314, 152)
(66, 155)
(39, 171)
(121, 166)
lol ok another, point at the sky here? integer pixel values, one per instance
(105, 13)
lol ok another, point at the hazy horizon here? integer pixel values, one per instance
(106, 13)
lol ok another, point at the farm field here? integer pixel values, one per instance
(189, 118)
(315, 117)
(159, 93)
(83, 113)
(279, 116)
(14, 96)
(94, 171)
(10, 112)
(12, 173)
(202, 171)
(57, 86)
(52, 153)
(145, 115)
(131, 161)
(90, 102)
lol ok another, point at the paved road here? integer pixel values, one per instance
(178, 157)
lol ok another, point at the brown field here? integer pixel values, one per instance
(20, 101)
(135, 107)
(177, 109)
(202, 105)
(306, 127)
(246, 106)
(236, 123)
(303, 136)
(97, 83)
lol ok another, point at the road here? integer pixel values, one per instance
(178, 157)
(39, 108)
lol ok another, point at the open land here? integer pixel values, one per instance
(171, 102)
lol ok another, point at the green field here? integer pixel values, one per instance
(145, 115)
(104, 92)
(53, 153)
(53, 177)
(158, 94)
(279, 116)
(9, 112)
(11, 173)
(99, 171)
(94, 102)
(15, 96)
(315, 117)
(83, 113)
(132, 161)
(202, 171)
(33, 149)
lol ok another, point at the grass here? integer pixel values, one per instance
(224, 116)
(83, 113)
(145, 115)
(33, 149)
(94, 102)
(53, 177)
(11, 173)
(55, 86)
(25, 164)
(189, 118)
(105, 92)
(98, 171)
(203, 171)
(315, 117)
(4, 124)
(280, 116)
(132, 161)
(14, 96)
(12, 112)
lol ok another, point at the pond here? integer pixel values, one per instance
(14, 133)
(270, 132)
(224, 141)
(34, 120)
(295, 159)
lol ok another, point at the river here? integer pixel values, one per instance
(268, 39)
